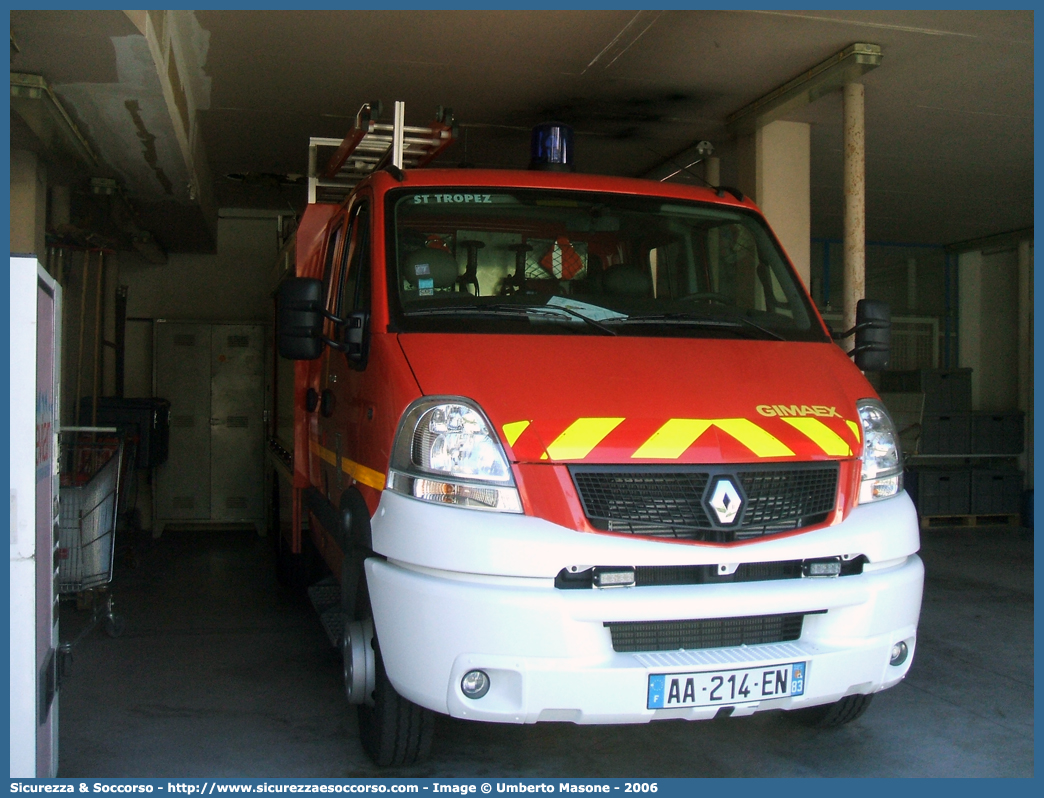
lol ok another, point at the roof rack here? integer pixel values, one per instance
(371, 145)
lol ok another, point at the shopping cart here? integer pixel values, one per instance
(88, 510)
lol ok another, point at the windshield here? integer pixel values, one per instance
(535, 261)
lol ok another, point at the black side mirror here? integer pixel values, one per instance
(300, 318)
(873, 335)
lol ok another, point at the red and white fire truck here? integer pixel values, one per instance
(578, 448)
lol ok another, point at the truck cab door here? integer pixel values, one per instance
(342, 404)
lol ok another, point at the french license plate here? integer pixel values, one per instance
(710, 688)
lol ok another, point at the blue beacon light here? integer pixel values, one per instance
(551, 147)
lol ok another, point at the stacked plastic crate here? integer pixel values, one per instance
(962, 462)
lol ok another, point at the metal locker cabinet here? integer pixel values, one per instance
(213, 375)
(236, 428)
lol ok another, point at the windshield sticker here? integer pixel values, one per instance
(584, 309)
(452, 199)
(426, 287)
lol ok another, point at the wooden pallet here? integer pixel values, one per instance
(993, 519)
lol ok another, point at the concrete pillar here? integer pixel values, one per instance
(854, 146)
(1026, 353)
(969, 320)
(773, 166)
(712, 170)
(28, 205)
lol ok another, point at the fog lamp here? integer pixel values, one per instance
(475, 684)
(823, 567)
(900, 652)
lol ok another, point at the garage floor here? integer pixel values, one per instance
(221, 673)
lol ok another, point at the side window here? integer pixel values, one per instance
(330, 275)
(355, 277)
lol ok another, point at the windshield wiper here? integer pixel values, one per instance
(730, 323)
(509, 310)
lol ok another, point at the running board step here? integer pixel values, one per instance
(326, 598)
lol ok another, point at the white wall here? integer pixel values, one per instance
(969, 320)
(231, 285)
(774, 169)
(999, 382)
(28, 203)
(989, 318)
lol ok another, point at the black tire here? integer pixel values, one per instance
(829, 716)
(297, 571)
(393, 731)
(279, 545)
(114, 625)
(293, 571)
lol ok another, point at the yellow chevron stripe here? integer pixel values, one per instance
(856, 430)
(821, 435)
(357, 471)
(513, 430)
(672, 439)
(753, 437)
(581, 437)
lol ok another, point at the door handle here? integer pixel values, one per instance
(327, 403)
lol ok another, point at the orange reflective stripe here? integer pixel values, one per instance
(753, 437)
(671, 440)
(581, 437)
(820, 434)
(363, 474)
(322, 453)
(513, 430)
(357, 471)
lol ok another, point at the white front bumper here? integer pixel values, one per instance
(547, 651)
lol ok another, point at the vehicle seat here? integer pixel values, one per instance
(428, 270)
(626, 280)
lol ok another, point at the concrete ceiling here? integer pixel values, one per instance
(949, 112)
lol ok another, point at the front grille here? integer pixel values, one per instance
(674, 575)
(659, 575)
(708, 633)
(670, 501)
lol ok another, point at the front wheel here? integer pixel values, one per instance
(393, 730)
(839, 713)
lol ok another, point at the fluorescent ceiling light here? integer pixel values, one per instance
(37, 104)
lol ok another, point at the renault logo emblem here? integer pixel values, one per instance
(725, 500)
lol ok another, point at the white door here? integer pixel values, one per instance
(35, 331)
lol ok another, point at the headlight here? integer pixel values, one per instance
(882, 459)
(446, 452)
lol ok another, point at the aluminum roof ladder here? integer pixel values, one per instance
(371, 145)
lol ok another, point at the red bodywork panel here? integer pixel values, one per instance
(551, 381)
(311, 236)
(560, 399)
